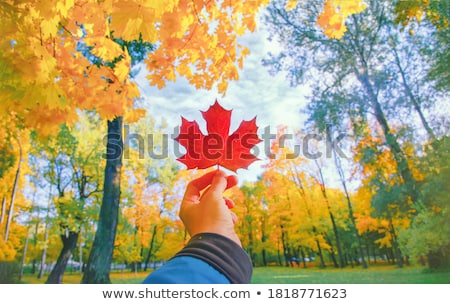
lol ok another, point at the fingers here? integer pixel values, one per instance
(232, 181)
(229, 203)
(197, 185)
(221, 182)
(218, 182)
(194, 187)
(234, 218)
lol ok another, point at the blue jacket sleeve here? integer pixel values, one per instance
(208, 258)
(186, 270)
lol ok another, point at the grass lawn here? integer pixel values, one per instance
(284, 275)
(372, 275)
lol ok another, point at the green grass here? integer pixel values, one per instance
(312, 275)
(75, 278)
(372, 275)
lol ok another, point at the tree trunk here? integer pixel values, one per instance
(44, 254)
(395, 247)
(285, 246)
(150, 250)
(302, 253)
(80, 253)
(349, 256)
(250, 242)
(14, 191)
(338, 164)
(319, 250)
(278, 253)
(2, 215)
(263, 240)
(99, 262)
(331, 250)
(333, 222)
(24, 257)
(47, 219)
(399, 155)
(35, 238)
(368, 244)
(414, 100)
(69, 244)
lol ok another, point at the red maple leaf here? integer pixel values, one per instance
(218, 147)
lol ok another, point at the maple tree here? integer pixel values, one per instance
(190, 44)
(12, 180)
(81, 54)
(218, 147)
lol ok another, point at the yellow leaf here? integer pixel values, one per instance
(184, 70)
(335, 12)
(222, 87)
(122, 69)
(104, 48)
(132, 90)
(49, 27)
(133, 115)
(245, 51)
(89, 28)
(291, 4)
(63, 7)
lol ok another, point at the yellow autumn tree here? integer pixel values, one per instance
(67, 55)
(13, 170)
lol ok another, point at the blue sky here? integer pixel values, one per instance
(270, 98)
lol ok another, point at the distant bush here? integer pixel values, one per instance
(9, 272)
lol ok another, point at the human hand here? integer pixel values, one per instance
(208, 212)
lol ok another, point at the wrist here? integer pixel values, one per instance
(228, 233)
(222, 253)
